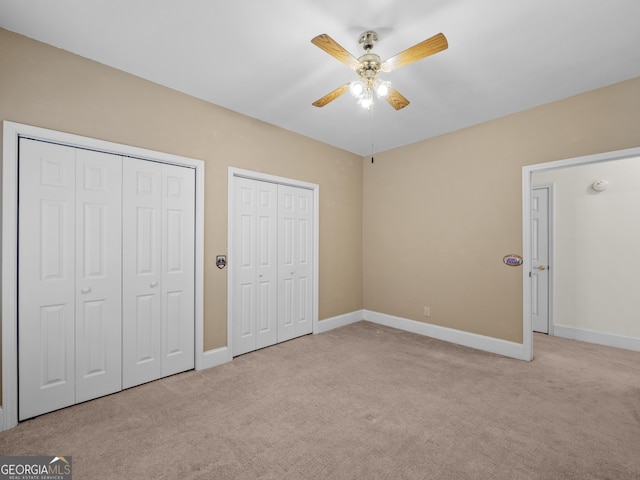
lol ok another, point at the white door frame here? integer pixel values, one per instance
(11, 133)
(237, 172)
(527, 332)
(550, 187)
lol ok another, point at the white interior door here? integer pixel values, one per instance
(158, 280)
(295, 262)
(46, 278)
(272, 290)
(255, 265)
(266, 264)
(76, 212)
(59, 300)
(69, 276)
(178, 269)
(540, 259)
(142, 272)
(98, 305)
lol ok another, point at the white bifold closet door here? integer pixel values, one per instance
(69, 276)
(158, 270)
(273, 250)
(106, 266)
(295, 262)
(255, 265)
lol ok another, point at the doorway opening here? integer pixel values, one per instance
(557, 318)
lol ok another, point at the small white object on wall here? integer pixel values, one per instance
(600, 185)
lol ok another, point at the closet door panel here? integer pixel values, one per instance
(255, 268)
(304, 261)
(266, 264)
(98, 274)
(244, 266)
(294, 262)
(142, 272)
(46, 279)
(287, 297)
(178, 257)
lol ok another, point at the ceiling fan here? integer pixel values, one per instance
(369, 64)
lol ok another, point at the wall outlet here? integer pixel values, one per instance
(427, 311)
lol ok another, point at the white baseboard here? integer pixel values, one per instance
(473, 340)
(215, 357)
(339, 321)
(7, 419)
(218, 356)
(608, 339)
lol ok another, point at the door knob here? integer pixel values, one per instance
(153, 284)
(260, 275)
(541, 267)
(85, 290)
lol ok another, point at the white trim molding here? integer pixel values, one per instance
(340, 321)
(12, 132)
(480, 342)
(459, 337)
(215, 357)
(601, 338)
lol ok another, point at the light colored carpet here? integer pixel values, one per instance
(362, 402)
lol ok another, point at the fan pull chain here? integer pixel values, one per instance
(371, 110)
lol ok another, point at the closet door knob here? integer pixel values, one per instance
(85, 290)
(260, 275)
(153, 284)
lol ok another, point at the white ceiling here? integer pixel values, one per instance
(255, 56)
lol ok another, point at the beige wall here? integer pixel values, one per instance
(429, 227)
(439, 215)
(48, 87)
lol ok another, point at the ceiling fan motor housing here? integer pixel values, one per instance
(369, 65)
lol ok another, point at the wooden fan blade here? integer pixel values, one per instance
(396, 99)
(432, 45)
(333, 48)
(331, 96)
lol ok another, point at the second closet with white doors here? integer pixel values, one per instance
(86, 240)
(272, 288)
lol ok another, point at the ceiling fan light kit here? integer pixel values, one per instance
(363, 90)
(369, 64)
